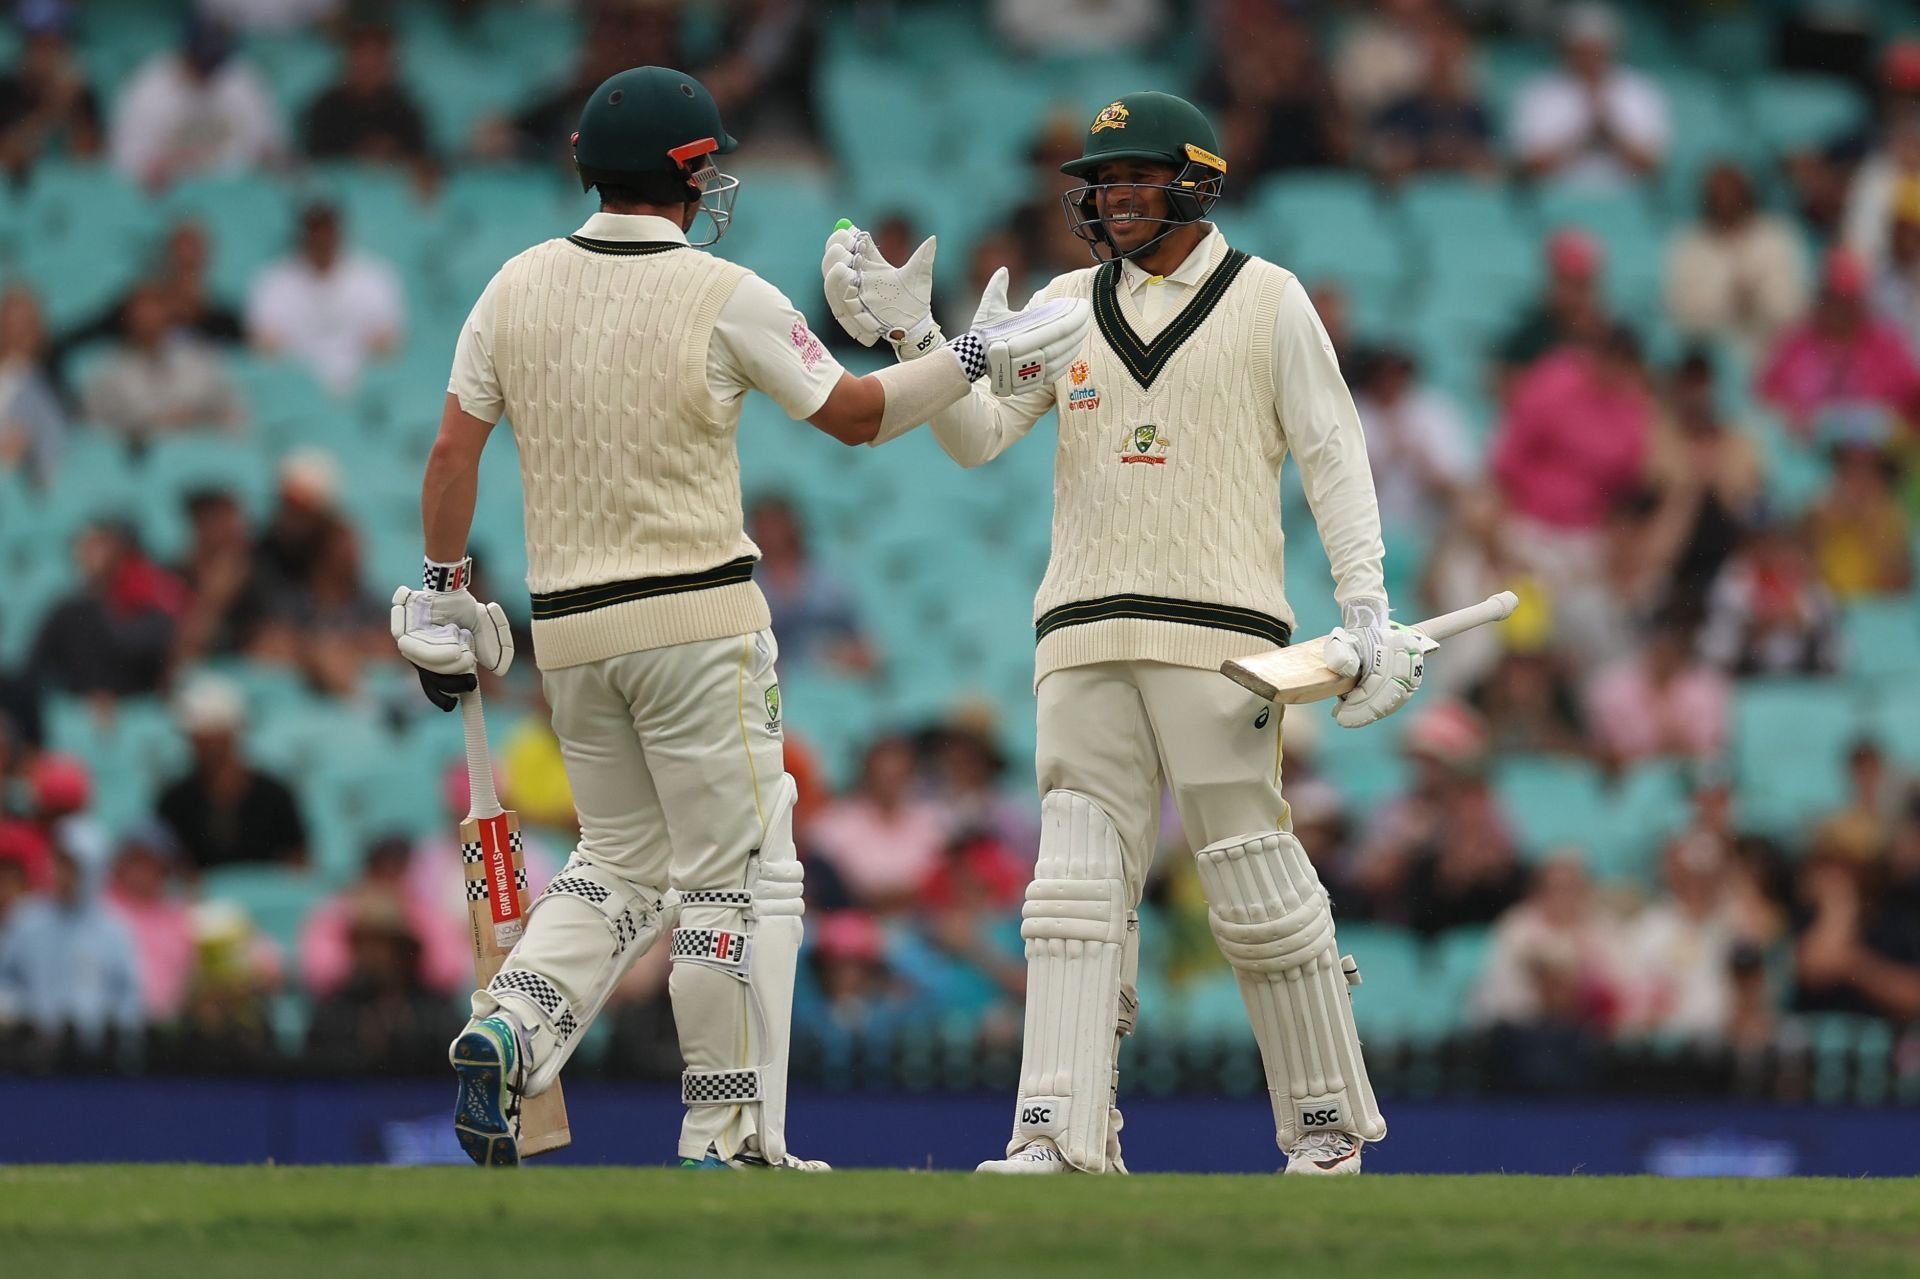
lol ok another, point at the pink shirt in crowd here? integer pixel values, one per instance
(1635, 720)
(1806, 372)
(881, 856)
(163, 944)
(1570, 445)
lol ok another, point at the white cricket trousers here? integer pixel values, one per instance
(674, 756)
(1114, 731)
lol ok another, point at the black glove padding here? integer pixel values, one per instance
(444, 690)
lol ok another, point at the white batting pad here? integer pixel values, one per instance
(734, 958)
(583, 934)
(1274, 924)
(1075, 926)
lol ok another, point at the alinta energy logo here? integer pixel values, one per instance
(1081, 396)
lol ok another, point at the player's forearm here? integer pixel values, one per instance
(977, 428)
(452, 483)
(447, 497)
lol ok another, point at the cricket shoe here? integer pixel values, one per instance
(752, 1159)
(1326, 1154)
(489, 1060)
(1037, 1157)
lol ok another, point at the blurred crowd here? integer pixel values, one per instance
(1692, 497)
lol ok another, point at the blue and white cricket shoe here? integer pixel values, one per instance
(491, 1066)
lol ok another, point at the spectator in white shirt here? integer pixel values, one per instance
(163, 379)
(195, 109)
(1592, 121)
(1737, 273)
(328, 307)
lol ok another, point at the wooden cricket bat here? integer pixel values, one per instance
(497, 901)
(1300, 674)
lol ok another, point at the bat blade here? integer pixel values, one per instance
(1300, 673)
(497, 901)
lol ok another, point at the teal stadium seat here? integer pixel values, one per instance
(249, 219)
(95, 481)
(296, 68)
(1793, 112)
(132, 754)
(1334, 227)
(177, 466)
(286, 408)
(1623, 222)
(1392, 1002)
(276, 898)
(1895, 723)
(1882, 639)
(1556, 804)
(1789, 742)
(71, 213)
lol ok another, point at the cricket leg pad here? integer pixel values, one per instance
(735, 954)
(1074, 924)
(583, 934)
(1274, 923)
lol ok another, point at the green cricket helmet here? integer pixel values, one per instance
(655, 131)
(1156, 127)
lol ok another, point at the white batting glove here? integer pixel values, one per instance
(1387, 659)
(1022, 350)
(873, 299)
(447, 634)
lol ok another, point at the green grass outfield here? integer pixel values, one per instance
(280, 1223)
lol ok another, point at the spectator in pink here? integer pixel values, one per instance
(1842, 355)
(1576, 435)
(327, 938)
(1663, 702)
(143, 890)
(883, 841)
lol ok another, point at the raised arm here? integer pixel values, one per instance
(873, 299)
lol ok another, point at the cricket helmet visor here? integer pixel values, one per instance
(1155, 127)
(655, 131)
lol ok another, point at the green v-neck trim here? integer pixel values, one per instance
(623, 248)
(1147, 360)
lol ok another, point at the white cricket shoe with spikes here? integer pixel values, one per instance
(1036, 1157)
(1326, 1154)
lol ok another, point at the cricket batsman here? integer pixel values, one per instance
(1206, 368)
(621, 354)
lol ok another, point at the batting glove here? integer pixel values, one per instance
(873, 299)
(1022, 350)
(447, 634)
(1386, 659)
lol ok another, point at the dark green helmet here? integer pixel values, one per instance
(1157, 127)
(653, 130)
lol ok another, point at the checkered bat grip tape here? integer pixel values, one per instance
(719, 1087)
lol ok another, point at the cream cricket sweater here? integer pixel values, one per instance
(1167, 542)
(628, 464)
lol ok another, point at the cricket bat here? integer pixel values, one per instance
(497, 906)
(1300, 673)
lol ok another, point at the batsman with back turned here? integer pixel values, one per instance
(1207, 367)
(621, 354)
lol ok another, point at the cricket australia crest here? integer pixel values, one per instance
(1145, 444)
(773, 711)
(1112, 116)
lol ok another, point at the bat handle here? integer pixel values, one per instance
(1491, 609)
(484, 801)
